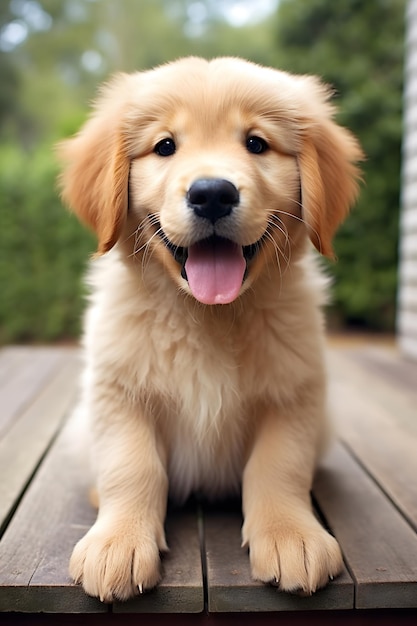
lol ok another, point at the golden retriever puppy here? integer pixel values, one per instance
(205, 182)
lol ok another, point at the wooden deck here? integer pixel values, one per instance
(365, 491)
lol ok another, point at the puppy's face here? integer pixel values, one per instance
(214, 183)
(214, 170)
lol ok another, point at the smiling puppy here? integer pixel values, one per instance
(206, 183)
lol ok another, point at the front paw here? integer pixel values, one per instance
(116, 562)
(293, 556)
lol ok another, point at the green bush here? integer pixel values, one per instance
(43, 251)
(338, 41)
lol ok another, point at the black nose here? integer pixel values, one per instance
(212, 198)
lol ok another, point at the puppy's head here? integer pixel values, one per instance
(212, 169)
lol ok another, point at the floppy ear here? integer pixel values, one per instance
(329, 179)
(95, 176)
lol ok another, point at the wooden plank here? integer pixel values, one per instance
(389, 367)
(36, 547)
(231, 588)
(54, 514)
(383, 379)
(28, 438)
(378, 421)
(11, 357)
(29, 370)
(181, 589)
(380, 548)
(376, 412)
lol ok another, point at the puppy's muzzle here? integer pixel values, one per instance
(212, 198)
(215, 264)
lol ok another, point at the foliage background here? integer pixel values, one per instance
(54, 53)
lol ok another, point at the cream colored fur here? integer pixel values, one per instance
(181, 396)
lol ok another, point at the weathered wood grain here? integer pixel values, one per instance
(366, 490)
(378, 421)
(181, 588)
(379, 546)
(22, 447)
(35, 549)
(231, 588)
(23, 372)
(11, 357)
(54, 514)
(389, 367)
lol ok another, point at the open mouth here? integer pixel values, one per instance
(215, 268)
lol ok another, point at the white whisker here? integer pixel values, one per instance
(153, 220)
(275, 222)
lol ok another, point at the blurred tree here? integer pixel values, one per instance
(72, 45)
(9, 79)
(357, 47)
(54, 53)
(43, 252)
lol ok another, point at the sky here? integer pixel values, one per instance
(242, 12)
(30, 16)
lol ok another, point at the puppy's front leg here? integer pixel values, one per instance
(288, 546)
(119, 556)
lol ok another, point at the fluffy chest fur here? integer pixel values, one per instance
(202, 374)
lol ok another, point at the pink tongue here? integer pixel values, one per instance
(215, 270)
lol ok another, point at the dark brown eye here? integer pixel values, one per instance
(256, 145)
(165, 147)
